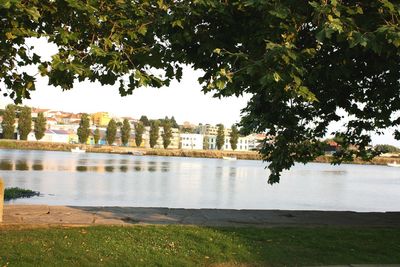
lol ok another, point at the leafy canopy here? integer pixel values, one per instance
(304, 62)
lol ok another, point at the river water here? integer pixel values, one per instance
(90, 179)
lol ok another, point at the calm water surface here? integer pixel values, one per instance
(65, 178)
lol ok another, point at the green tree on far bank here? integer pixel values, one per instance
(125, 132)
(167, 133)
(144, 120)
(84, 128)
(234, 137)
(96, 136)
(154, 132)
(25, 123)
(206, 143)
(8, 123)
(139, 129)
(220, 141)
(386, 149)
(174, 124)
(39, 127)
(111, 132)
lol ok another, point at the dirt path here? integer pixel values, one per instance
(43, 215)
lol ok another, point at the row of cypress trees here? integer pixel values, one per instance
(24, 115)
(25, 126)
(125, 129)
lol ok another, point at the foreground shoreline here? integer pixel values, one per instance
(45, 215)
(243, 155)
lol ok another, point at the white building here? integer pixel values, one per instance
(242, 145)
(55, 136)
(191, 141)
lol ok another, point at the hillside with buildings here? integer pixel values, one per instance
(62, 127)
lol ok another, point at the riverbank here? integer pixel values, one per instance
(245, 155)
(29, 145)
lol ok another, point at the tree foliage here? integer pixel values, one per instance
(40, 126)
(25, 123)
(139, 129)
(8, 123)
(167, 133)
(84, 129)
(96, 136)
(220, 140)
(304, 63)
(174, 124)
(145, 121)
(154, 132)
(125, 132)
(234, 137)
(386, 149)
(111, 132)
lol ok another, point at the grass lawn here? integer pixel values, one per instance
(188, 246)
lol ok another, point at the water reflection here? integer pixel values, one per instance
(152, 166)
(21, 165)
(102, 179)
(37, 165)
(165, 166)
(6, 165)
(123, 168)
(109, 168)
(81, 168)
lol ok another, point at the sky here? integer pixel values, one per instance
(183, 100)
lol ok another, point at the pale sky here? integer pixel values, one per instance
(183, 100)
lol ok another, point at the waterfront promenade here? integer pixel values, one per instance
(43, 215)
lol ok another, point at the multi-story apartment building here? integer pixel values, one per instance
(191, 141)
(101, 118)
(208, 129)
(242, 145)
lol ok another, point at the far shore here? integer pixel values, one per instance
(244, 155)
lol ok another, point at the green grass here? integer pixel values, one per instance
(194, 246)
(15, 192)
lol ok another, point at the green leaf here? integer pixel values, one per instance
(142, 29)
(177, 23)
(5, 4)
(277, 77)
(33, 12)
(217, 51)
